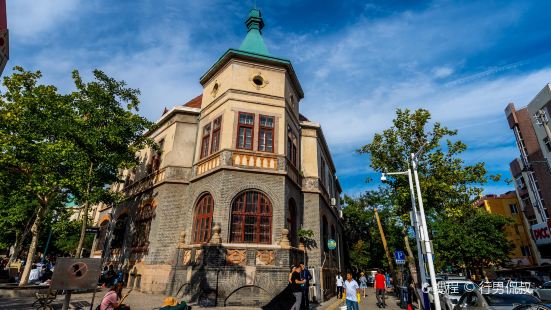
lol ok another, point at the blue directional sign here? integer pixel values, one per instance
(400, 257)
(331, 244)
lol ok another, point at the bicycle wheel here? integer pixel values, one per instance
(44, 307)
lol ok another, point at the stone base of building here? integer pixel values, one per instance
(231, 274)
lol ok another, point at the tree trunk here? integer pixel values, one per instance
(35, 229)
(412, 269)
(85, 215)
(19, 241)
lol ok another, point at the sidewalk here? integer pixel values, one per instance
(369, 303)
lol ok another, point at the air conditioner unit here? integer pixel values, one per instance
(333, 201)
(340, 214)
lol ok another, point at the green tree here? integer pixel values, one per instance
(475, 239)
(34, 121)
(449, 185)
(109, 133)
(364, 243)
(447, 182)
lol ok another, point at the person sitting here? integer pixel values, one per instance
(113, 300)
(170, 303)
(34, 276)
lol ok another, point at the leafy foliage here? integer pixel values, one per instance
(475, 239)
(449, 187)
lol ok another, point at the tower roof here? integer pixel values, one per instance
(253, 42)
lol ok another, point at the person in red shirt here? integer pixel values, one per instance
(380, 288)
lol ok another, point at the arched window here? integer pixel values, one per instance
(251, 218)
(325, 232)
(292, 222)
(100, 241)
(144, 217)
(118, 231)
(202, 222)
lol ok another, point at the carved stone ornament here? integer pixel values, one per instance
(265, 257)
(284, 241)
(182, 239)
(236, 257)
(215, 89)
(258, 80)
(198, 256)
(216, 239)
(187, 257)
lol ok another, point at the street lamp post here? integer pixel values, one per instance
(426, 237)
(416, 227)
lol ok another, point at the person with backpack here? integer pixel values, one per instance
(113, 300)
(380, 288)
(305, 276)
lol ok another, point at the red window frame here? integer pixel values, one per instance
(202, 219)
(245, 127)
(263, 131)
(215, 140)
(251, 218)
(205, 141)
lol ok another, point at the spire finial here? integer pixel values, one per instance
(253, 41)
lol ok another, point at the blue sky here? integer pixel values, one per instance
(357, 60)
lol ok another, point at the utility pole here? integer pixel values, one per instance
(388, 256)
(426, 237)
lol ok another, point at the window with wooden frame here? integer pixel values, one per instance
(266, 134)
(205, 141)
(215, 142)
(292, 146)
(119, 231)
(202, 221)
(251, 218)
(245, 129)
(144, 217)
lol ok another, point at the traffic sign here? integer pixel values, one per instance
(400, 257)
(331, 244)
(92, 230)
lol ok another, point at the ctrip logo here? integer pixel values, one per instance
(541, 233)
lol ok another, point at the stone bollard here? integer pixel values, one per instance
(284, 241)
(216, 239)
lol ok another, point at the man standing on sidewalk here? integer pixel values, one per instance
(295, 286)
(305, 276)
(351, 291)
(380, 288)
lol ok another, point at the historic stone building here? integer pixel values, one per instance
(214, 215)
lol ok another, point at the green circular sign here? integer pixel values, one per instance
(331, 244)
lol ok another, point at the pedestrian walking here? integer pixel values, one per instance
(363, 284)
(351, 292)
(380, 288)
(306, 277)
(296, 288)
(340, 282)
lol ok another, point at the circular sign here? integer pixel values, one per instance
(331, 244)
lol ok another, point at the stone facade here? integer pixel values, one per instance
(208, 160)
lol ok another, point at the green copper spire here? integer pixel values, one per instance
(253, 42)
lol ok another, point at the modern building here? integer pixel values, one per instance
(214, 215)
(531, 172)
(518, 233)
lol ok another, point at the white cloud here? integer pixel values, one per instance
(442, 72)
(27, 19)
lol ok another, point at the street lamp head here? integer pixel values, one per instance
(383, 177)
